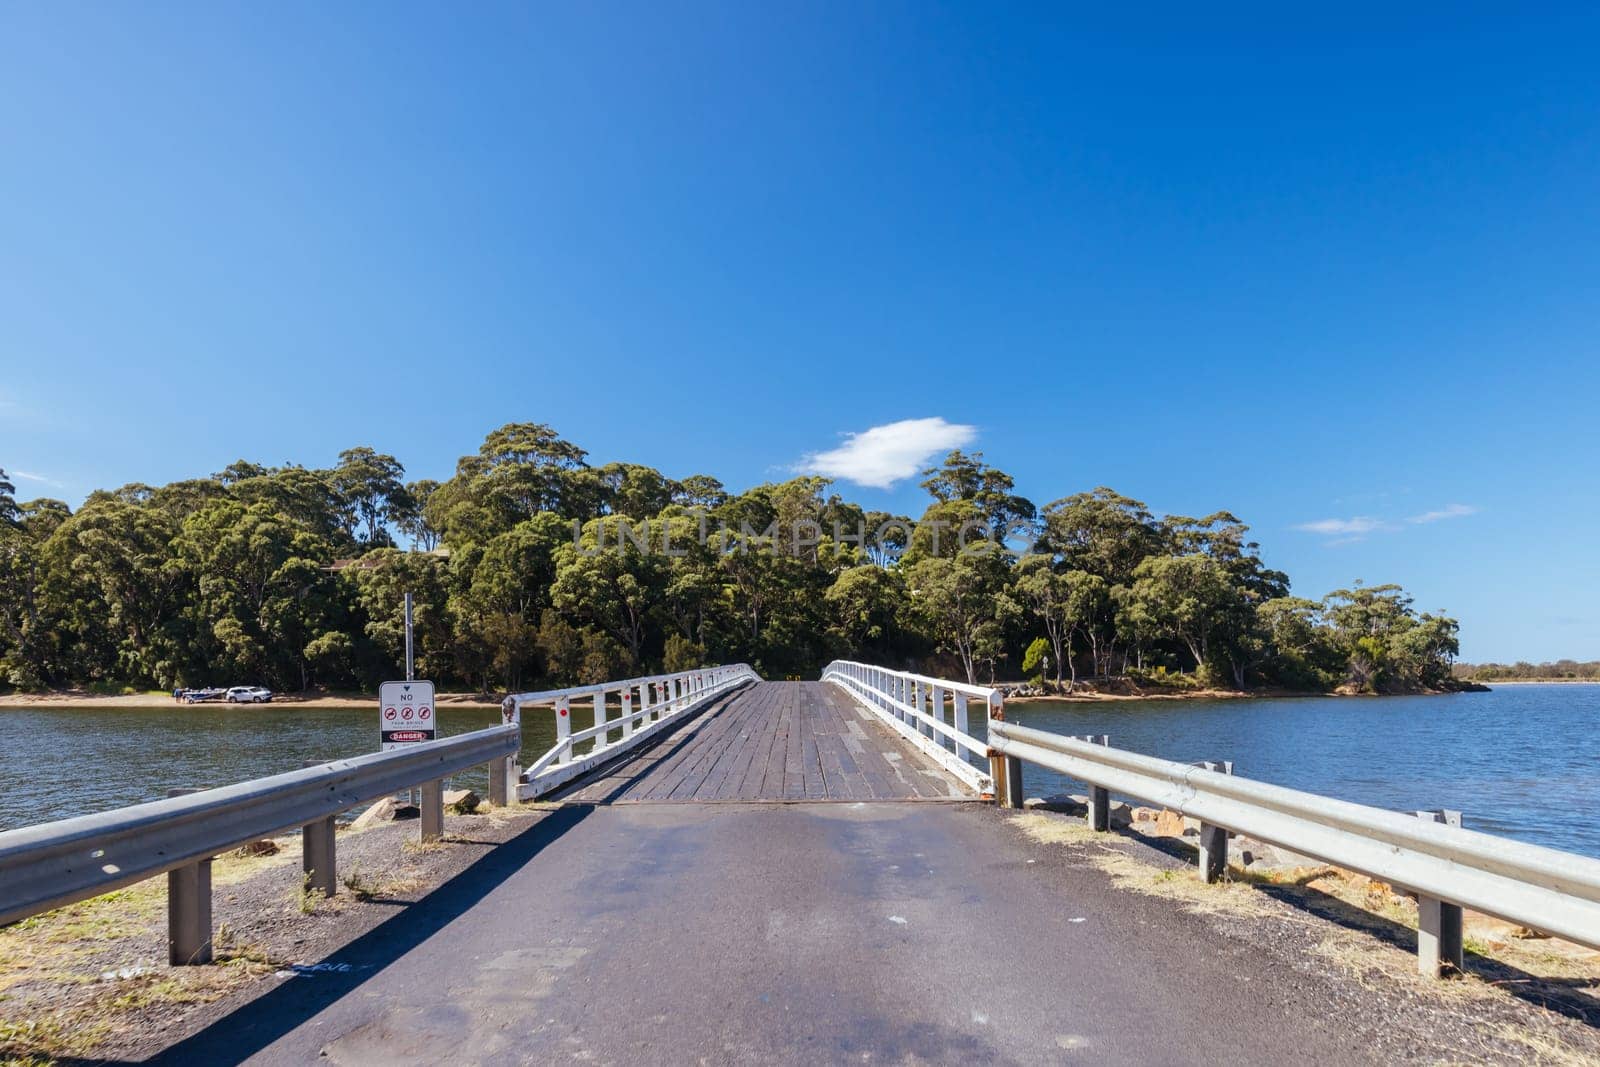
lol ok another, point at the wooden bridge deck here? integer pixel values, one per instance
(775, 741)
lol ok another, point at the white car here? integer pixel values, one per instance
(249, 694)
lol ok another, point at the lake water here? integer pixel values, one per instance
(57, 761)
(1523, 760)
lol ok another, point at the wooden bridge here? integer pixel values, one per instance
(775, 741)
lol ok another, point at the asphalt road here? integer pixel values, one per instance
(805, 933)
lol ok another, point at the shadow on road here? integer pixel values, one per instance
(251, 1027)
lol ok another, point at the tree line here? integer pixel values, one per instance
(524, 575)
(1568, 669)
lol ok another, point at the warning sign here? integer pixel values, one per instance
(405, 714)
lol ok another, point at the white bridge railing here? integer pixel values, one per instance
(934, 714)
(643, 708)
(1448, 867)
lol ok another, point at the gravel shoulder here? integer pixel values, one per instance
(90, 981)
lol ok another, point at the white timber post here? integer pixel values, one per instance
(938, 713)
(627, 711)
(564, 729)
(1440, 950)
(961, 712)
(600, 740)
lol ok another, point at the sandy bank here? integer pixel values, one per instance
(77, 698)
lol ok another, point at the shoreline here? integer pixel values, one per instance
(77, 698)
(1222, 694)
(1540, 681)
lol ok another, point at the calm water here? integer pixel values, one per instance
(56, 762)
(1522, 760)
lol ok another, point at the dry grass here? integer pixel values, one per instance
(1360, 925)
(69, 947)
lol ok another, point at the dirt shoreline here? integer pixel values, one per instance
(77, 698)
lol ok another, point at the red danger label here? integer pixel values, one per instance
(407, 735)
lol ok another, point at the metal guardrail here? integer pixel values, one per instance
(915, 706)
(1448, 867)
(57, 863)
(644, 706)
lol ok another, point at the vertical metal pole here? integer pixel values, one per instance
(1099, 799)
(317, 851)
(189, 909)
(1213, 855)
(409, 660)
(189, 914)
(1440, 948)
(1013, 782)
(432, 810)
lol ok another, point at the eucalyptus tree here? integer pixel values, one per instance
(9, 513)
(115, 586)
(371, 489)
(954, 599)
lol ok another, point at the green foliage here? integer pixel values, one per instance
(1033, 660)
(529, 567)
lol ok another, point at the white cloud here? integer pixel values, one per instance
(1454, 511)
(879, 457)
(29, 476)
(1356, 526)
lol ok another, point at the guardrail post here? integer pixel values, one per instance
(1439, 937)
(627, 712)
(500, 787)
(317, 857)
(1099, 813)
(1214, 839)
(432, 810)
(502, 775)
(997, 774)
(189, 909)
(1012, 771)
(961, 712)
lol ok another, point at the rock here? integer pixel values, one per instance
(1168, 824)
(1529, 934)
(382, 811)
(1145, 814)
(385, 810)
(1120, 815)
(258, 848)
(462, 801)
(1059, 802)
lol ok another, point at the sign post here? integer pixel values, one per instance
(406, 714)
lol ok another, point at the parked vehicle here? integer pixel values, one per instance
(201, 696)
(249, 694)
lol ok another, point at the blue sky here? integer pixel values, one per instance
(1335, 273)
